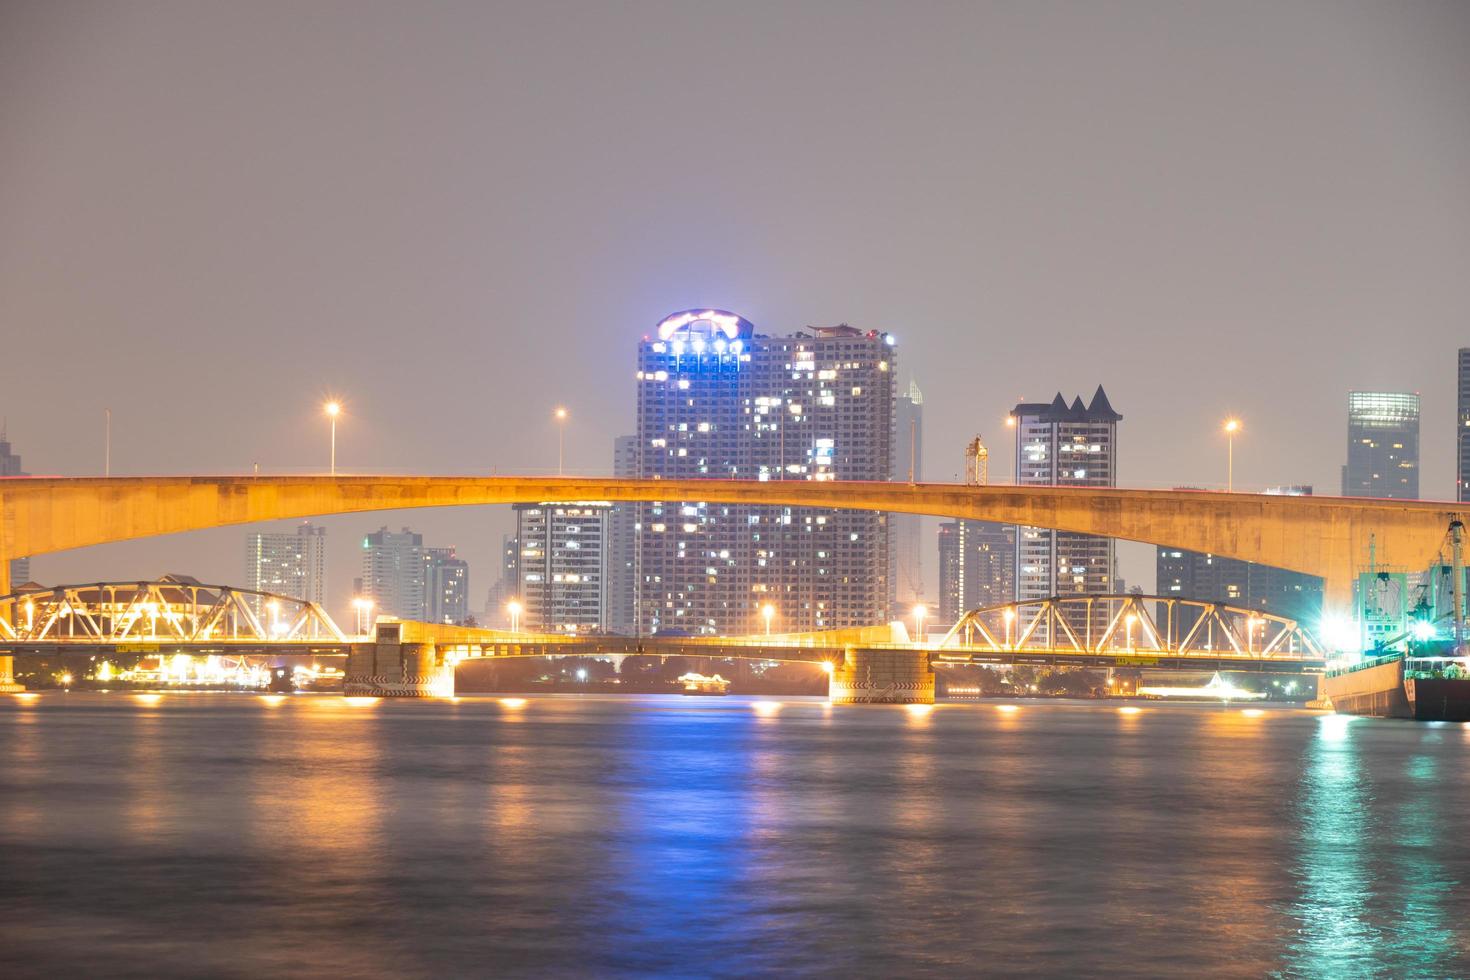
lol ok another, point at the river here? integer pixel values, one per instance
(188, 835)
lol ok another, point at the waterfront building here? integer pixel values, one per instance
(563, 565)
(905, 564)
(20, 568)
(446, 587)
(393, 573)
(977, 567)
(289, 563)
(1383, 445)
(718, 400)
(504, 590)
(622, 542)
(1462, 427)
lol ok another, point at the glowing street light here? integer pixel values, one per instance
(514, 608)
(1250, 632)
(1130, 619)
(561, 434)
(1009, 616)
(920, 611)
(333, 409)
(1232, 426)
(768, 613)
(363, 606)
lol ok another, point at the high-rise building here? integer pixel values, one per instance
(977, 567)
(717, 400)
(446, 587)
(19, 568)
(503, 591)
(1383, 445)
(290, 563)
(563, 565)
(905, 566)
(1462, 428)
(1200, 575)
(622, 543)
(393, 573)
(1065, 445)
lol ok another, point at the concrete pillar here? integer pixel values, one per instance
(883, 677)
(7, 662)
(387, 668)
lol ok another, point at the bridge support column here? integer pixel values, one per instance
(7, 676)
(883, 677)
(388, 668)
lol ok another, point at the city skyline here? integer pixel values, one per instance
(988, 244)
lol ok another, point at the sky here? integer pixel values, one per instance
(457, 216)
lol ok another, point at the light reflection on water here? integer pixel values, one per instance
(245, 835)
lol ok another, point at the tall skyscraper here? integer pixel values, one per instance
(290, 563)
(19, 568)
(504, 590)
(622, 542)
(393, 573)
(906, 567)
(1065, 445)
(446, 587)
(716, 400)
(977, 567)
(1383, 445)
(563, 565)
(1462, 428)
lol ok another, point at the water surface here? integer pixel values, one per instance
(237, 835)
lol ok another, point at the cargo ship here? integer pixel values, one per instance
(1428, 682)
(1398, 686)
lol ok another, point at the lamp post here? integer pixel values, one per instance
(333, 409)
(1130, 619)
(1232, 426)
(561, 434)
(768, 613)
(514, 608)
(1250, 633)
(920, 611)
(1009, 615)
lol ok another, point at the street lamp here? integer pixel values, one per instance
(920, 611)
(514, 608)
(362, 606)
(333, 409)
(768, 613)
(1232, 426)
(561, 434)
(1009, 615)
(1130, 619)
(1250, 633)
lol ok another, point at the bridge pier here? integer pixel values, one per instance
(390, 668)
(883, 677)
(7, 676)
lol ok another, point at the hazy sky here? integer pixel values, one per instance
(457, 216)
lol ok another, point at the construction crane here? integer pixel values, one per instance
(977, 463)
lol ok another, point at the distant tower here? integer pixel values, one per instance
(1462, 429)
(977, 463)
(1383, 445)
(906, 564)
(293, 563)
(19, 569)
(393, 572)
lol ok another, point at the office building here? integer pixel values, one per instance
(718, 400)
(500, 595)
(977, 567)
(446, 587)
(905, 566)
(563, 565)
(622, 543)
(1065, 445)
(19, 568)
(393, 569)
(1383, 445)
(288, 563)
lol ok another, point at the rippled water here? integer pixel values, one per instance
(231, 835)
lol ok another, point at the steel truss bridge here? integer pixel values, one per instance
(1139, 630)
(178, 614)
(176, 611)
